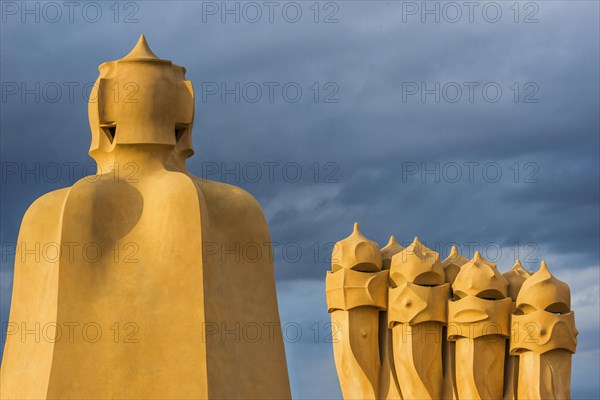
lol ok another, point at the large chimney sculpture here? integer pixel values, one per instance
(154, 308)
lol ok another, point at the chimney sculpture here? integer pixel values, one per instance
(146, 299)
(544, 337)
(388, 381)
(446, 330)
(451, 265)
(416, 314)
(515, 277)
(355, 295)
(478, 318)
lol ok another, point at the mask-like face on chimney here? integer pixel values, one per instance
(141, 99)
(544, 303)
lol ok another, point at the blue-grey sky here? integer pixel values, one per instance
(472, 124)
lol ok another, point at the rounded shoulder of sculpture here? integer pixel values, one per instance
(45, 210)
(228, 198)
(44, 205)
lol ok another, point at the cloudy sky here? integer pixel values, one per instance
(469, 125)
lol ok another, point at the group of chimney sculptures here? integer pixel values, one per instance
(407, 325)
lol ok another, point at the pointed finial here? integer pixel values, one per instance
(454, 259)
(544, 271)
(515, 277)
(479, 260)
(518, 268)
(453, 264)
(453, 251)
(393, 244)
(141, 50)
(417, 247)
(392, 241)
(390, 249)
(356, 230)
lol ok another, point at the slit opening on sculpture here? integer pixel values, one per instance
(428, 279)
(179, 131)
(110, 130)
(557, 308)
(458, 294)
(524, 308)
(491, 294)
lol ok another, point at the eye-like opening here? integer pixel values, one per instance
(557, 308)
(457, 295)
(524, 308)
(428, 279)
(179, 131)
(491, 294)
(397, 279)
(110, 130)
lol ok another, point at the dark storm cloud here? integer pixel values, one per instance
(355, 134)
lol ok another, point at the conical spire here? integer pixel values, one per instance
(420, 249)
(356, 233)
(452, 264)
(453, 251)
(479, 261)
(518, 263)
(477, 258)
(141, 51)
(393, 247)
(454, 258)
(518, 269)
(544, 274)
(391, 242)
(515, 277)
